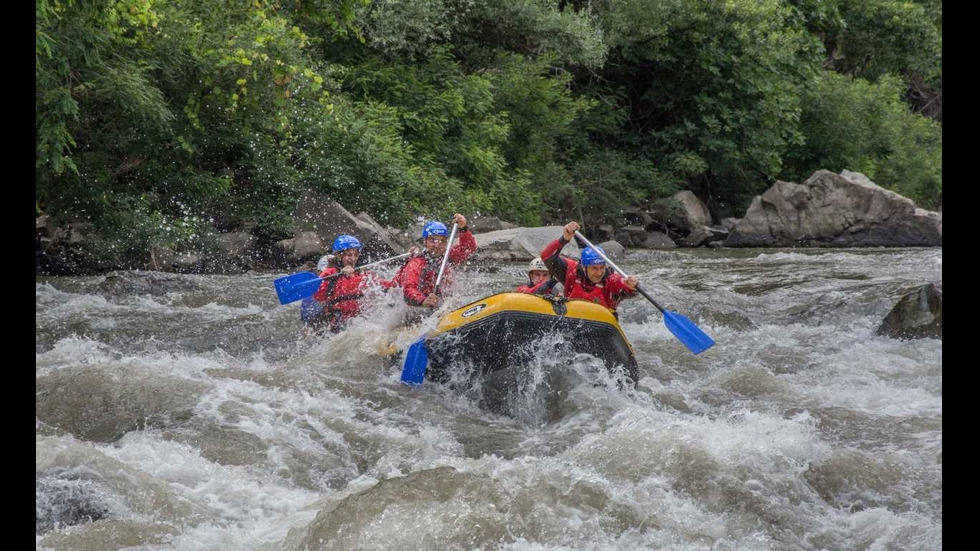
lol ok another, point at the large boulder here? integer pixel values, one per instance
(642, 238)
(614, 250)
(305, 246)
(843, 210)
(408, 237)
(654, 240)
(486, 224)
(691, 213)
(681, 213)
(699, 236)
(231, 253)
(624, 238)
(519, 244)
(67, 249)
(730, 224)
(917, 315)
(214, 253)
(327, 219)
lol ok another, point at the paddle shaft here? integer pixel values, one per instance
(366, 266)
(445, 257)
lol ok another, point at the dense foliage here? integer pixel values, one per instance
(157, 120)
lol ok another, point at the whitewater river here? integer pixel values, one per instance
(188, 412)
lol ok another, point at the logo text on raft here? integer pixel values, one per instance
(474, 310)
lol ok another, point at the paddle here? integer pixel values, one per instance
(696, 340)
(302, 285)
(417, 357)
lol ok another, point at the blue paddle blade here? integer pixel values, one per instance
(696, 340)
(296, 287)
(416, 362)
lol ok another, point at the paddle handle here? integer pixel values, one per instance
(618, 270)
(445, 257)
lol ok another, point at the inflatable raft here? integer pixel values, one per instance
(504, 332)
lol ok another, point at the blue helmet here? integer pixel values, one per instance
(434, 228)
(592, 257)
(344, 242)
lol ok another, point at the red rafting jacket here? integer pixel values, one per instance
(341, 295)
(607, 292)
(418, 277)
(542, 288)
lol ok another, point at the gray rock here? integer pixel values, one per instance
(835, 210)
(231, 253)
(519, 244)
(730, 223)
(305, 246)
(656, 240)
(917, 315)
(485, 224)
(327, 219)
(624, 238)
(693, 213)
(615, 251)
(696, 238)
